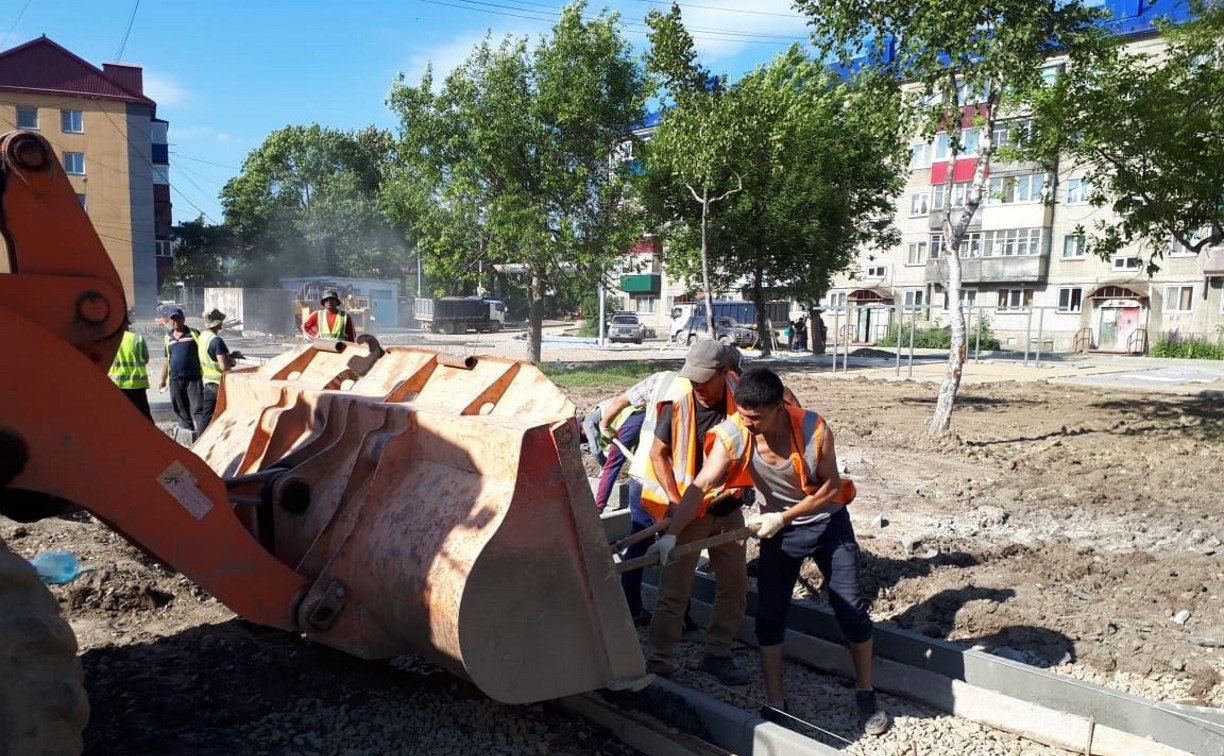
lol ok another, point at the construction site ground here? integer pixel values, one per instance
(1066, 522)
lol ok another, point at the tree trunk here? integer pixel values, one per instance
(535, 317)
(705, 262)
(764, 331)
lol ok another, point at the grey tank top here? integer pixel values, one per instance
(779, 489)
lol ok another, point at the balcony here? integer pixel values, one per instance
(1213, 261)
(648, 283)
(975, 270)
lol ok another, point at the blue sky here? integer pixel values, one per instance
(225, 74)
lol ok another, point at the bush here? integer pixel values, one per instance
(1173, 344)
(940, 337)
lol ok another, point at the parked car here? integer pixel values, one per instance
(726, 330)
(625, 326)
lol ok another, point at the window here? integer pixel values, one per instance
(920, 156)
(936, 245)
(1177, 249)
(644, 305)
(939, 150)
(161, 248)
(1070, 300)
(915, 298)
(1050, 74)
(1015, 299)
(920, 203)
(84, 204)
(876, 271)
(1011, 242)
(72, 121)
(1179, 299)
(968, 299)
(916, 253)
(971, 245)
(1008, 189)
(161, 174)
(27, 117)
(1073, 247)
(1127, 263)
(1079, 190)
(74, 162)
(837, 299)
(969, 141)
(960, 190)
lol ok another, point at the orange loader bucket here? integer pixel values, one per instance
(440, 508)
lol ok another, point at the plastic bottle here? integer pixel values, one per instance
(56, 567)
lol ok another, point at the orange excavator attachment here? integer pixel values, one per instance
(439, 507)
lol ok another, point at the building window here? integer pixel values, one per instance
(72, 121)
(1073, 247)
(1079, 191)
(1011, 242)
(162, 248)
(1179, 299)
(939, 150)
(920, 203)
(960, 190)
(920, 156)
(916, 254)
(644, 305)
(1050, 73)
(1070, 300)
(1005, 190)
(969, 141)
(27, 117)
(84, 204)
(1015, 299)
(74, 163)
(837, 299)
(876, 271)
(1127, 263)
(161, 174)
(1177, 249)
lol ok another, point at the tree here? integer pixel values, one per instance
(1146, 128)
(307, 202)
(202, 253)
(511, 162)
(967, 65)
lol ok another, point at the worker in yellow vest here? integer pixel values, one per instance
(130, 372)
(215, 361)
(787, 454)
(332, 322)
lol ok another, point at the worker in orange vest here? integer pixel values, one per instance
(787, 454)
(331, 322)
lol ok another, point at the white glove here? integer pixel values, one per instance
(767, 525)
(663, 547)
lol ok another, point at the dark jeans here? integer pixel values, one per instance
(140, 398)
(631, 582)
(186, 396)
(831, 544)
(628, 435)
(209, 397)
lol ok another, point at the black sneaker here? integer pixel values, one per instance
(724, 668)
(873, 720)
(642, 618)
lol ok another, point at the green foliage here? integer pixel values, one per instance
(981, 336)
(509, 161)
(610, 375)
(1146, 126)
(1173, 345)
(307, 203)
(202, 253)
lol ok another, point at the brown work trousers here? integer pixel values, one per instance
(676, 585)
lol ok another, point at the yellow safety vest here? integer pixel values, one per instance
(807, 433)
(336, 330)
(129, 369)
(210, 368)
(685, 446)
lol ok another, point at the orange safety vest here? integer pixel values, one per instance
(685, 445)
(807, 433)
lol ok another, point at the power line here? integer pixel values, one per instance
(724, 10)
(205, 162)
(518, 5)
(131, 20)
(19, 17)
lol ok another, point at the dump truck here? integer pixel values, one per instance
(460, 314)
(382, 502)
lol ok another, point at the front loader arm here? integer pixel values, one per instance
(67, 432)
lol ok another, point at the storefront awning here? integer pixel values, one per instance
(1116, 291)
(869, 296)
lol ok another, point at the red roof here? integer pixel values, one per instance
(42, 66)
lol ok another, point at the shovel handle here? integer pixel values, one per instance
(652, 558)
(641, 535)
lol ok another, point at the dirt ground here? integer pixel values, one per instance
(1061, 526)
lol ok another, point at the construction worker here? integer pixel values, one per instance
(130, 370)
(684, 407)
(215, 361)
(182, 373)
(787, 453)
(331, 322)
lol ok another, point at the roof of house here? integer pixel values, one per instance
(43, 66)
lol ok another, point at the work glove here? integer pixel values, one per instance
(607, 434)
(663, 547)
(767, 525)
(237, 355)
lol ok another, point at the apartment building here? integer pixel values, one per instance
(1024, 266)
(113, 147)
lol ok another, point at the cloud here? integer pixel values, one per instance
(164, 90)
(449, 55)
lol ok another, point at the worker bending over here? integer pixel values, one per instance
(331, 322)
(787, 454)
(215, 361)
